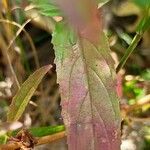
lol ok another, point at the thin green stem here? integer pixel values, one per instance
(128, 52)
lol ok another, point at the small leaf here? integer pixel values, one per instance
(146, 75)
(21, 99)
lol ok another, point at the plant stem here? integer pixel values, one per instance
(28, 37)
(128, 52)
(51, 138)
(40, 141)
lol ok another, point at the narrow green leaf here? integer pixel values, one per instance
(43, 131)
(21, 99)
(129, 51)
(143, 25)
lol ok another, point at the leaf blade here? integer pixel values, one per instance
(87, 87)
(47, 7)
(102, 2)
(22, 97)
(43, 131)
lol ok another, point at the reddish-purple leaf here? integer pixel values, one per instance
(90, 106)
(86, 74)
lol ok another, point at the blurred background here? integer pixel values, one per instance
(25, 45)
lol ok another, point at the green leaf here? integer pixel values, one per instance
(65, 39)
(90, 106)
(21, 99)
(102, 2)
(141, 28)
(43, 131)
(47, 7)
(144, 25)
(142, 3)
(3, 139)
(146, 75)
(129, 50)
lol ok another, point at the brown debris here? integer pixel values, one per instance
(25, 140)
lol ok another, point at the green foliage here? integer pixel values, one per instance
(43, 131)
(142, 3)
(3, 139)
(133, 91)
(145, 22)
(21, 99)
(144, 25)
(146, 75)
(65, 38)
(129, 51)
(141, 28)
(47, 7)
(87, 77)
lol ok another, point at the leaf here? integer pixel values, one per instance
(142, 3)
(90, 106)
(21, 99)
(143, 25)
(3, 139)
(102, 2)
(84, 17)
(146, 75)
(43, 131)
(47, 7)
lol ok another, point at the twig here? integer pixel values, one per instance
(11, 146)
(51, 138)
(40, 141)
